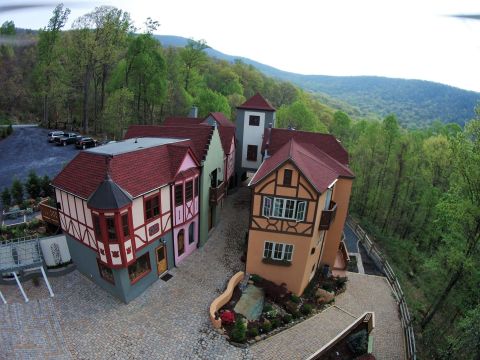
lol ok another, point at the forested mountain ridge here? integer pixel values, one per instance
(416, 103)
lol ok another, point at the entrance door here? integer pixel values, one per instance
(161, 259)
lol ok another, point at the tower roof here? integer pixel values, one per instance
(257, 102)
(109, 196)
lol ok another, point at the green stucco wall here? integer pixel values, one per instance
(213, 160)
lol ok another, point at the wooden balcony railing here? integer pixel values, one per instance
(217, 194)
(328, 216)
(49, 213)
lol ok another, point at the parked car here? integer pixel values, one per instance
(85, 142)
(52, 135)
(68, 138)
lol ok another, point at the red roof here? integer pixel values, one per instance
(221, 119)
(136, 172)
(325, 142)
(320, 169)
(199, 135)
(257, 102)
(227, 135)
(182, 121)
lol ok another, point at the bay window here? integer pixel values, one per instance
(112, 233)
(284, 208)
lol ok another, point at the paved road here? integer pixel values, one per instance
(27, 149)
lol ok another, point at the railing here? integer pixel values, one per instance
(328, 216)
(380, 260)
(49, 213)
(217, 194)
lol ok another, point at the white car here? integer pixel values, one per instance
(55, 134)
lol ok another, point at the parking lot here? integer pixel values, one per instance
(27, 149)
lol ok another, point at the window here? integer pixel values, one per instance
(301, 210)
(267, 250)
(178, 194)
(96, 226)
(112, 233)
(284, 208)
(254, 120)
(287, 177)
(125, 225)
(180, 242)
(267, 206)
(139, 268)
(252, 152)
(188, 191)
(152, 207)
(196, 185)
(106, 273)
(277, 251)
(191, 233)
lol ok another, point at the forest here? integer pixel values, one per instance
(417, 191)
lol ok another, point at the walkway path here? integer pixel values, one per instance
(364, 293)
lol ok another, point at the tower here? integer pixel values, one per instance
(254, 116)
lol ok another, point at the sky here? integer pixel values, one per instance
(412, 39)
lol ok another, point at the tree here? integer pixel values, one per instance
(32, 185)
(45, 186)
(6, 197)
(193, 56)
(300, 117)
(210, 101)
(341, 126)
(8, 28)
(17, 191)
(118, 112)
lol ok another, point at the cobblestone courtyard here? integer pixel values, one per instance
(170, 319)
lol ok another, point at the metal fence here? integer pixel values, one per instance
(382, 263)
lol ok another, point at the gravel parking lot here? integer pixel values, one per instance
(28, 149)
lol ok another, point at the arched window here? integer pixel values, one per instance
(181, 242)
(191, 235)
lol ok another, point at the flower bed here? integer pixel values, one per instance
(281, 309)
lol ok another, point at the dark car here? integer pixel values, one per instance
(85, 142)
(67, 138)
(52, 135)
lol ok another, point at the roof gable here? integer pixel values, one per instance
(257, 102)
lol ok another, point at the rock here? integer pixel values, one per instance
(250, 282)
(291, 306)
(258, 338)
(220, 331)
(324, 296)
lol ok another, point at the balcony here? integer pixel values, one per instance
(328, 216)
(49, 213)
(217, 193)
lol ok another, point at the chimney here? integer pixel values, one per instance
(193, 112)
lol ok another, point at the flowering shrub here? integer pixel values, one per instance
(228, 317)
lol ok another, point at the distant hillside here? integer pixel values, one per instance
(415, 102)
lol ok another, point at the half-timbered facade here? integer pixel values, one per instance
(300, 199)
(115, 204)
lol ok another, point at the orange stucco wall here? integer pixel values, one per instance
(310, 251)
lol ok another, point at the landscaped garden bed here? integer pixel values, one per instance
(260, 308)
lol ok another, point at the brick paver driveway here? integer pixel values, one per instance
(170, 320)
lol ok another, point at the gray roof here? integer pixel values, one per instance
(129, 145)
(109, 196)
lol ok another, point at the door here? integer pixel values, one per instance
(210, 217)
(161, 259)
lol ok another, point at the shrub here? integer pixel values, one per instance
(253, 332)
(274, 291)
(17, 191)
(287, 318)
(275, 323)
(268, 307)
(9, 129)
(227, 317)
(256, 278)
(45, 185)
(295, 314)
(340, 281)
(358, 343)
(295, 298)
(271, 314)
(6, 197)
(266, 326)
(32, 185)
(239, 333)
(306, 309)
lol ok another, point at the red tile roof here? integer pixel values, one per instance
(227, 135)
(257, 102)
(221, 119)
(177, 120)
(136, 172)
(325, 142)
(319, 168)
(199, 135)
